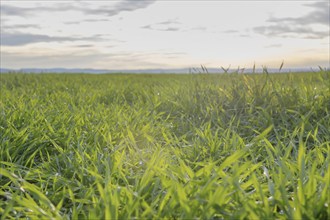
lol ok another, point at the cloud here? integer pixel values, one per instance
(121, 6)
(274, 46)
(85, 20)
(171, 29)
(19, 39)
(70, 60)
(151, 27)
(85, 45)
(320, 5)
(301, 27)
(9, 10)
(94, 20)
(319, 16)
(199, 28)
(231, 31)
(109, 10)
(13, 11)
(284, 30)
(82, 59)
(20, 26)
(169, 22)
(169, 25)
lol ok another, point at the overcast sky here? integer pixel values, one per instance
(163, 34)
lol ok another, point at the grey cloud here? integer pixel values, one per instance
(282, 30)
(73, 22)
(45, 61)
(169, 25)
(21, 26)
(87, 58)
(13, 11)
(274, 46)
(85, 20)
(301, 27)
(18, 39)
(319, 16)
(198, 28)
(147, 27)
(231, 31)
(95, 20)
(237, 33)
(171, 29)
(150, 27)
(121, 6)
(318, 5)
(129, 56)
(85, 45)
(25, 12)
(169, 22)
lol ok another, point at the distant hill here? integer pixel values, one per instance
(148, 71)
(3, 70)
(91, 71)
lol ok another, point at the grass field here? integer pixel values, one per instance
(198, 146)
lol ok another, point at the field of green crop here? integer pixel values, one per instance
(198, 146)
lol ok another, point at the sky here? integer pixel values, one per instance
(140, 34)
